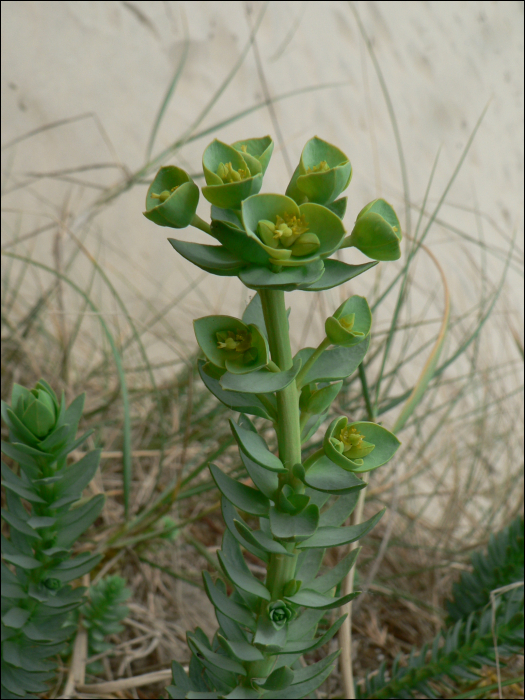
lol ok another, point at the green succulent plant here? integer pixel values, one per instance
(37, 565)
(275, 243)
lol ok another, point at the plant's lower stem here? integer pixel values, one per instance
(281, 568)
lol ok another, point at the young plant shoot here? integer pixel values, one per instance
(277, 243)
(45, 517)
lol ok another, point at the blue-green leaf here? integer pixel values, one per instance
(260, 539)
(237, 571)
(219, 660)
(326, 476)
(255, 447)
(336, 536)
(279, 679)
(337, 363)
(337, 273)
(294, 527)
(266, 481)
(16, 618)
(229, 515)
(288, 279)
(339, 511)
(214, 259)
(71, 525)
(243, 497)
(261, 381)
(329, 580)
(235, 611)
(312, 599)
(301, 646)
(243, 651)
(244, 403)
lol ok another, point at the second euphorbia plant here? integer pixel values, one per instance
(300, 499)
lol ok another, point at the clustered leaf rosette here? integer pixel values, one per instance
(377, 232)
(235, 172)
(232, 345)
(35, 418)
(350, 324)
(172, 198)
(290, 235)
(358, 447)
(323, 173)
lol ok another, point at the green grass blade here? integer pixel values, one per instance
(126, 447)
(171, 89)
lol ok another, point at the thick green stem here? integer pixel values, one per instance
(281, 568)
(288, 428)
(309, 363)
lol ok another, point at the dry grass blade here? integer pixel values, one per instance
(428, 371)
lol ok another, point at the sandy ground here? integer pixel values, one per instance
(442, 63)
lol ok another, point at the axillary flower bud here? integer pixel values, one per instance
(279, 613)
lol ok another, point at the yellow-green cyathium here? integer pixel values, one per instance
(230, 344)
(291, 235)
(350, 324)
(172, 198)
(377, 232)
(360, 446)
(323, 173)
(232, 173)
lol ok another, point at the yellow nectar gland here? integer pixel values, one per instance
(163, 196)
(228, 174)
(321, 167)
(240, 341)
(244, 148)
(350, 438)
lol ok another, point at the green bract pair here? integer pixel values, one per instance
(273, 241)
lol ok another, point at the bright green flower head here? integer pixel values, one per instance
(360, 446)
(172, 198)
(350, 324)
(377, 232)
(234, 173)
(230, 344)
(260, 149)
(291, 235)
(322, 174)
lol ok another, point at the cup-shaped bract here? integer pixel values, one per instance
(350, 324)
(290, 234)
(230, 176)
(230, 344)
(172, 198)
(358, 447)
(34, 411)
(260, 149)
(323, 173)
(377, 232)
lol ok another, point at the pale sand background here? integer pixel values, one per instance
(442, 61)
